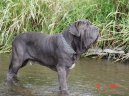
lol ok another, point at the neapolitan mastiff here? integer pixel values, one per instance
(58, 52)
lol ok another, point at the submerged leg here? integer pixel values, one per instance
(62, 79)
(17, 61)
(13, 69)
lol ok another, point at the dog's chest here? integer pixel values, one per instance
(73, 65)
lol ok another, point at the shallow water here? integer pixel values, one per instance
(90, 77)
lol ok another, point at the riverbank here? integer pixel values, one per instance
(116, 54)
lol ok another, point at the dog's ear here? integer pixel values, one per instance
(74, 29)
(78, 27)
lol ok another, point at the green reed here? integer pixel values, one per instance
(52, 16)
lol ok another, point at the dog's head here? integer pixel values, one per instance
(86, 33)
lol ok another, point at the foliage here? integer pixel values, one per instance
(52, 16)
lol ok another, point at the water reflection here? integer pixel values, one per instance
(36, 80)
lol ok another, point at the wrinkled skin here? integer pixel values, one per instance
(58, 52)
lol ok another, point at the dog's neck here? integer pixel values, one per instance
(70, 39)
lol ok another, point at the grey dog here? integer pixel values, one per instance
(58, 52)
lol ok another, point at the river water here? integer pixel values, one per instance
(90, 77)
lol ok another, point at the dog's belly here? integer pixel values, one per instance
(48, 61)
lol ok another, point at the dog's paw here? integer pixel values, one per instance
(64, 93)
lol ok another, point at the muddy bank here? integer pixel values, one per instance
(117, 54)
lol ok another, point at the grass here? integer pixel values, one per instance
(52, 16)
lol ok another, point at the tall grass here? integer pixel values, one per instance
(52, 16)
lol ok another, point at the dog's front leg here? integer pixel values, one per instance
(67, 73)
(62, 79)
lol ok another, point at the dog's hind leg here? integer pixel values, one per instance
(17, 61)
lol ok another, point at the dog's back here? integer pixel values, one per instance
(29, 37)
(34, 45)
